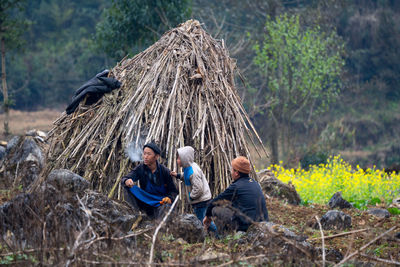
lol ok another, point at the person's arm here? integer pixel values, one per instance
(131, 177)
(176, 175)
(228, 194)
(206, 222)
(172, 192)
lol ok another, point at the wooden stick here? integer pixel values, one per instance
(323, 241)
(341, 234)
(158, 229)
(380, 259)
(365, 246)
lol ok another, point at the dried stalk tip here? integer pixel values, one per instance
(179, 91)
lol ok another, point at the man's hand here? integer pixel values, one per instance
(129, 183)
(165, 200)
(173, 173)
(206, 222)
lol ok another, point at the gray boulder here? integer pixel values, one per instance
(278, 242)
(12, 143)
(275, 188)
(2, 152)
(63, 215)
(337, 201)
(22, 163)
(25, 149)
(396, 203)
(335, 219)
(188, 227)
(380, 213)
(331, 254)
(67, 181)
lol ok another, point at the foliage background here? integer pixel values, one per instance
(64, 47)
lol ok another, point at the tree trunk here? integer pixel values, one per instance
(274, 143)
(5, 91)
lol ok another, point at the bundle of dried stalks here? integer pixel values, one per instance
(180, 91)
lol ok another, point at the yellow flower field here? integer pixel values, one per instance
(358, 186)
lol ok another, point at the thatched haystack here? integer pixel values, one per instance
(180, 91)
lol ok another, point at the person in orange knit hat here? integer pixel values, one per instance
(246, 201)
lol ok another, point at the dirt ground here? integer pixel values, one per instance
(300, 218)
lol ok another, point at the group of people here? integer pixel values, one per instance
(234, 209)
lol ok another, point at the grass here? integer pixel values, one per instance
(22, 121)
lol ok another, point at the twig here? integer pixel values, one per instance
(31, 250)
(365, 246)
(323, 241)
(379, 259)
(241, 259)
(341, 234)
(117, 238)
(158, 229)
(77, 242)
(118, 263)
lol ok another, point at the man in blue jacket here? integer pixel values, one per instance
(156, 186)
(246, 201)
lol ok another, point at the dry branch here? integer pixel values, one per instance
(323, 240)
(365, 246)
(341, 234)
(180, 91)
(158, 229)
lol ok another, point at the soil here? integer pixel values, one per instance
(299, 219)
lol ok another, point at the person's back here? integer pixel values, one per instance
(249, 199)
(246, 200)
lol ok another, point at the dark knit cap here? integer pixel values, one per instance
(153, 147)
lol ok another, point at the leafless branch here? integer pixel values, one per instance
(158, 229)
(365, 246)
(323, 241)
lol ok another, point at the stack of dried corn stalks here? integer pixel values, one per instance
(180, 91)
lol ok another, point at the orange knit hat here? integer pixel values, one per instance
(241, 164)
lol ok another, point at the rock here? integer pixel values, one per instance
(17, 214)
(211, 255)
(334, 219)
(56, 217)
(396, 203)
(331, 254)
(188, 227)
(274, 238)
(22, 163)
(2, 152)
(117, 215)
(380, 213)
(337, 201)
(12, 143)
(275, 188)
(67, 181)
(397, 235)
(38, 135)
